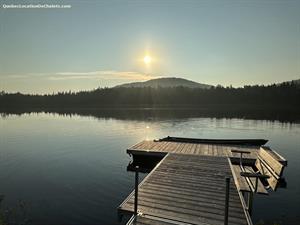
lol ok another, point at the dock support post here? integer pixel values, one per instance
(136, 190)
(250, 202)
(227, 201)
(241, 160)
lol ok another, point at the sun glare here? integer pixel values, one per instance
(147, 59)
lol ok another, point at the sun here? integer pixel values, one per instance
(147, 59)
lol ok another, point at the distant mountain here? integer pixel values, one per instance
(167, 82)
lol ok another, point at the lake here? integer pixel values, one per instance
(71, 169)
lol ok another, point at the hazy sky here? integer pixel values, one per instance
(102, 43)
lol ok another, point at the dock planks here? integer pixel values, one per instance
(187, 189)
(150, 220)
(208, 149)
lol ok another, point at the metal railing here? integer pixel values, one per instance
(227, 181)
(136, 190)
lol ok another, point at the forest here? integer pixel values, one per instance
(284, 95)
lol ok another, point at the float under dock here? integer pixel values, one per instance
(187, 189)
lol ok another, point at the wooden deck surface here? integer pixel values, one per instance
(163, 147)
(150, 220)
(186, 188)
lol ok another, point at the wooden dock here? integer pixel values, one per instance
(188, 189)
(188, 185)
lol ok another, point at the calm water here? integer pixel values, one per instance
(72, 169)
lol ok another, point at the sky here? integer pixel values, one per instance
(102, 43)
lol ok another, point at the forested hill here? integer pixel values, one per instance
(278, 95)
(167, 82)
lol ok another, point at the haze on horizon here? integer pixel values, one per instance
(106, 43)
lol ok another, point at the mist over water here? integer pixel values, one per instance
(71, 169)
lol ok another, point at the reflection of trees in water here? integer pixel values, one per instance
(13, 215)
(230, 112)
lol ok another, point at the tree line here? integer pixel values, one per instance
(277, 95)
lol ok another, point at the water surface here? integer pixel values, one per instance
(71, 169)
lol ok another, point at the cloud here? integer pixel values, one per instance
(101, 74)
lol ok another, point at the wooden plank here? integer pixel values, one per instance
(179, 150)
(191, 185)
(177, 147)
(184, 148)
(158, 146)
(260, 187)
(189, 149)
(194, 149)
(202, 187)
(240, 151)
(164, 146)
(273, 181)
(205, 193)
(205, 149)
(275, 165)
(202, 206)
(186, 215)
(161, 147)
(240, 182)
(210, 151)
(172, 147)
(192, 164)
(151, 220)
(275, 155)
(138, 145)
(196, 196)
